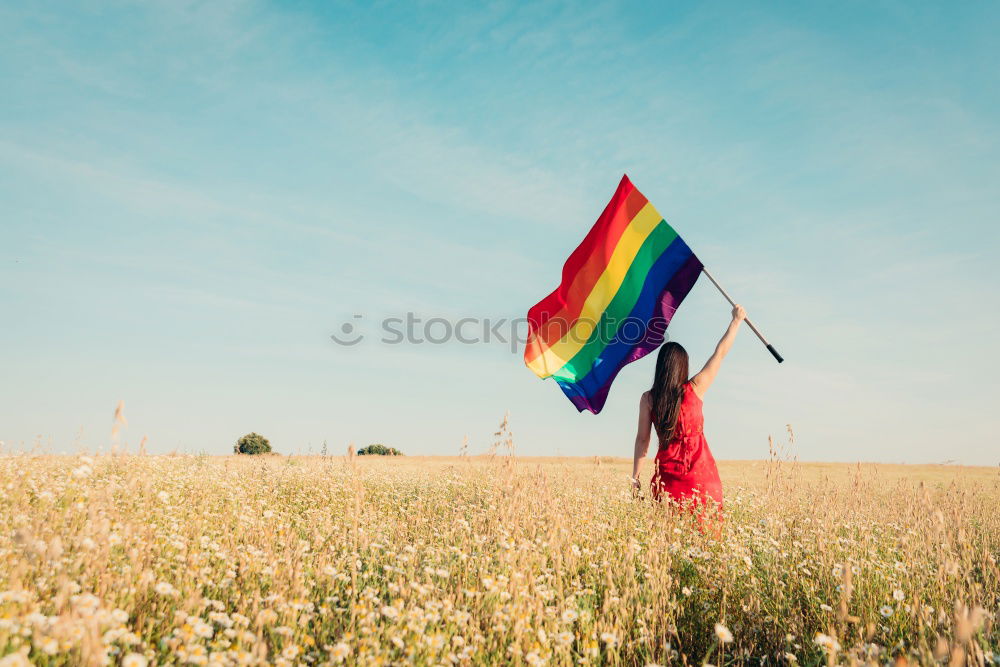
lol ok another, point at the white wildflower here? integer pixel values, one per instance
(135, 660)
(723, 634)
(827, 642)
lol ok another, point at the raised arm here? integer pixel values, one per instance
(641, 438)
(703, 380)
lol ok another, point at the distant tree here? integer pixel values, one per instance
(378, 449)
(252, 443)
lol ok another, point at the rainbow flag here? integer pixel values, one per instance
(619, 290)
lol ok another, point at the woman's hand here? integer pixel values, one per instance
(636, 487)
(739, 313)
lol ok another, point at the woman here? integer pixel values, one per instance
(685, 469)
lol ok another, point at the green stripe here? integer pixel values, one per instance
(621, 305)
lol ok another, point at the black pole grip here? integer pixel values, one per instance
(774, 352)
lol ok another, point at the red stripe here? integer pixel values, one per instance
(552, 317)
(550, 304)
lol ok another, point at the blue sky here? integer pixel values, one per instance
(193, 196)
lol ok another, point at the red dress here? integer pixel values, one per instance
(685, 467)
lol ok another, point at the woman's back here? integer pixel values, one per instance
(685, 467)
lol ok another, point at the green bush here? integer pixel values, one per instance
(379, 449)
(252, 443)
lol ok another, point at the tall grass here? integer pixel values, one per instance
(489, 560)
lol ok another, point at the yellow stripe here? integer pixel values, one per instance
(554, 357)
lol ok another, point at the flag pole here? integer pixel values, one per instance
(770, 348)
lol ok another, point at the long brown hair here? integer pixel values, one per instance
(668, 389)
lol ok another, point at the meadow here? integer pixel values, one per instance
(136, 560)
